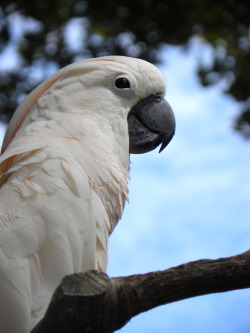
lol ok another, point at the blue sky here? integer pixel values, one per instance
(189, 202)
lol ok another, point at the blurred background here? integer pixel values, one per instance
(191, 201)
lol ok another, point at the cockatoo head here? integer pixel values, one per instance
(114, 90)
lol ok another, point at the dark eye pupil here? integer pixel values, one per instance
(122, 83)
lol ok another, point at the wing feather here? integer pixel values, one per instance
(50, 232)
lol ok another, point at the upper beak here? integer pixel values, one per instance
(150, 122)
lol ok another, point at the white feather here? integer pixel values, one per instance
(64, 175)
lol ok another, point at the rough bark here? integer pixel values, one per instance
(92, 302)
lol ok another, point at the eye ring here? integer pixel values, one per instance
(122, 83)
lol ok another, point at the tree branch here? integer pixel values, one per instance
(92, 302)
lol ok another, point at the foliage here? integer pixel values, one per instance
(47, 35)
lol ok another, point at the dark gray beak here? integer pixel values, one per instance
(151, 122)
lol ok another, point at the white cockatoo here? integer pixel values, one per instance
(64, 171)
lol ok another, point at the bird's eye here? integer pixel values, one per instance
(122, 83)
